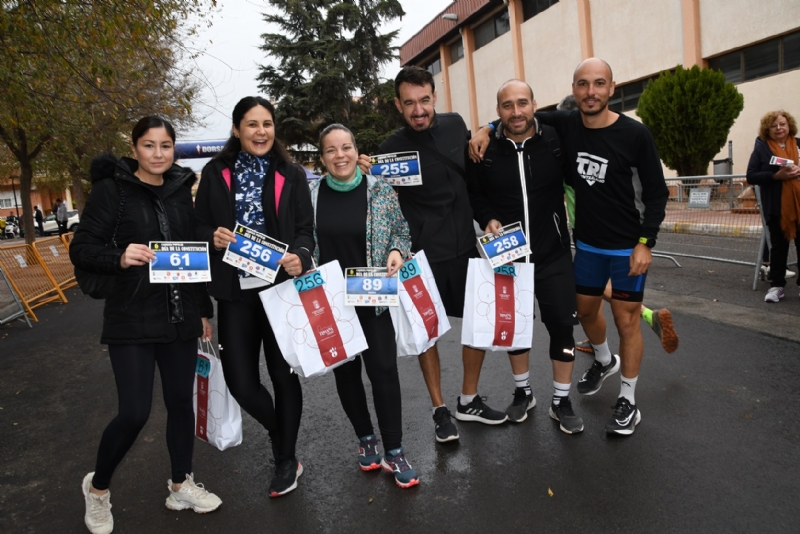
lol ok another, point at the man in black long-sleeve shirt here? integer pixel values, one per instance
(440, 220)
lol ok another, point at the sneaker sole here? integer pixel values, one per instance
(525, 415)
(627, 431)
(292, 487)
(664, 329)
(448, 438)
(174, 504)
(614, 370)
(561, 426)
(404, 485)
(587, 350)
(371, 467)
(479, 419)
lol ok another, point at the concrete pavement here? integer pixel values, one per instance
(715, 452)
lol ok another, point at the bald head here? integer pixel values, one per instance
(593, 64)
(515, 84)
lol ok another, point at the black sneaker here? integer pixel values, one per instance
(517, 411)
(570, 423)
(443, 425)
(286, 474)
(594, 376)
(626, 417)
(478, 411)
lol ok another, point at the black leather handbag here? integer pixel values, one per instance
(99, 286)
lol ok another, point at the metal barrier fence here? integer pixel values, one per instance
(713, 218)
(67, 238)
(30, 277)
(55, 254)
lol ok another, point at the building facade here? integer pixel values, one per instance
(475, 45)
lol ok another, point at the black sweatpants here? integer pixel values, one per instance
(243, 330)
(779, 256)
(380, 360)
(134, 371)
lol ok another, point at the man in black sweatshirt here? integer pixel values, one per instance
(522, 179)
(440, 220)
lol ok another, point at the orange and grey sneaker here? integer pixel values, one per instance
(662, 326)
(585, 346)
(395, 462)
(369, 458)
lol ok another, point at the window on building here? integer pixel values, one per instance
(759, 60)
(435, 66)
(531, 8)
(626, 97)
(762, 59)
(492, 29)
(456, 51)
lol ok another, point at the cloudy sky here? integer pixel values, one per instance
(230, 63)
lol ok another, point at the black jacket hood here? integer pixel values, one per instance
(105, 165)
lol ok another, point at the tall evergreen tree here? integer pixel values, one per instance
(323, 67)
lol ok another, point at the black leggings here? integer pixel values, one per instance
(380, 359)
(243, 329)
(780, 253)
(134, 370)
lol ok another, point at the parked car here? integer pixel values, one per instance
(51, 226)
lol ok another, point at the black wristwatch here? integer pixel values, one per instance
(649, 242)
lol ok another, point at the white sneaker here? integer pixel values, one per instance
(98, 516)
(193, 496)
(790, 274)
(774, 294)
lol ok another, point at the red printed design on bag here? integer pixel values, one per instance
(323, 324)
(424, 305)
(504, 310)
(202, 404)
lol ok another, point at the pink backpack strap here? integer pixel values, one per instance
(279, 181)
(226, 174)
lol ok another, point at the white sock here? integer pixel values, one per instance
(463, 400)
(602, 353)
(523, 381)
(627, 389)
(559, 392)
(437, 407)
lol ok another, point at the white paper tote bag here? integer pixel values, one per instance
(420, 319)
(498, 306)
(218, 417)
(315, 331)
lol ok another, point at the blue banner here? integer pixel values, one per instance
(198, 149)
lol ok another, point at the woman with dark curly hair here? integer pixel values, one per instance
(780, 191)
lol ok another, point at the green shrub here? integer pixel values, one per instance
(690, 113)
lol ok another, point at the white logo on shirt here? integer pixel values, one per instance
(592, 168)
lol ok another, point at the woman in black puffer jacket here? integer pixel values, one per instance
(133, 202)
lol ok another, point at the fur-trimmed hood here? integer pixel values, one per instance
(106, 165)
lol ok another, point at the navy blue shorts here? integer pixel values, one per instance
(594, 267)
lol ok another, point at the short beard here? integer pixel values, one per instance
(528, 125)
(593, 112)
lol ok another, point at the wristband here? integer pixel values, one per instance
(490, 125)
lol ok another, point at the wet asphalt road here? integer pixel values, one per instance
(716, 450)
